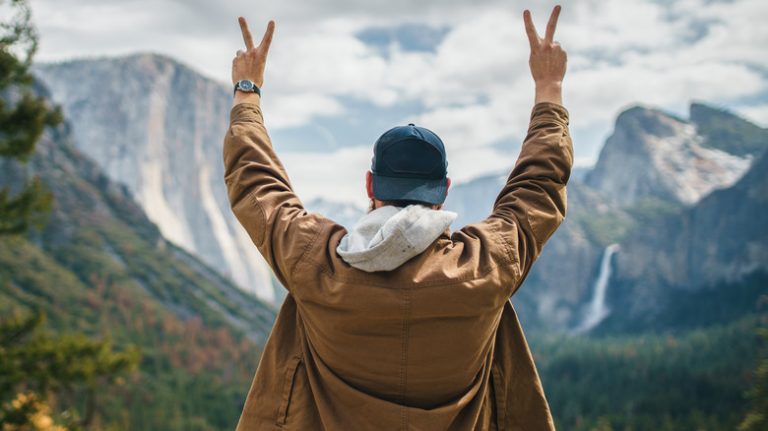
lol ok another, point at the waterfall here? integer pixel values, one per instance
(597, 310)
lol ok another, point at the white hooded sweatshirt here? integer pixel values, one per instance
(388, 236)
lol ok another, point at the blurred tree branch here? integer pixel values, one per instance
(24, 116)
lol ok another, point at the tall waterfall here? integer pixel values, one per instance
(597, 310)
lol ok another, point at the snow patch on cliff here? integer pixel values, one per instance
(691, 170)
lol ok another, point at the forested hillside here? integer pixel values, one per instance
(99, 267)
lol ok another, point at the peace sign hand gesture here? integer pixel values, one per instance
(250, 64)
(548, 59)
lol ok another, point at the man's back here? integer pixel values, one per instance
(431, 342)
(413, 345)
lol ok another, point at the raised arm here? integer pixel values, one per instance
(259, 191)
(532, 203)
(250, 64)
(547, 59)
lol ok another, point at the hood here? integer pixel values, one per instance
(387, 237)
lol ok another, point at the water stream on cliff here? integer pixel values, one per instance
(597, 309)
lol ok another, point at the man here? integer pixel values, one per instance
(399, 324)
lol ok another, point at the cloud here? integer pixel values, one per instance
(757, 113)
(473, 86)
(296, 110)
(318, 174)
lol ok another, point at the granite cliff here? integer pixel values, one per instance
(654, 155)
(157, 126)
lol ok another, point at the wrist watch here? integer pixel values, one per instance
(247, 86)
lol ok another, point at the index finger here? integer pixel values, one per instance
(247, 38)
(552, 24)
(530, 29)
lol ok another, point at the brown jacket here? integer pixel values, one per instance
(432, 345)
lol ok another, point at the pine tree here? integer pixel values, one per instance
(757, 416)
(24, 116)
(35, 366)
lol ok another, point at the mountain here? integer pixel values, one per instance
(101, 267)
(157, 126)
(715, 249)
(722, 237)
(96, 231)
(725, 131)
(654, 155)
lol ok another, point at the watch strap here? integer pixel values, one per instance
(255, 89)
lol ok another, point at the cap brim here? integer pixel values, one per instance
(411, 189)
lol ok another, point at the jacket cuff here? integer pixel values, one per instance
(246, 113)
(550, 111)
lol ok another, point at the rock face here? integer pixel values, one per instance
(724, 237)
(157, 127)
(653, 155)
(98, 238)
(728, 132)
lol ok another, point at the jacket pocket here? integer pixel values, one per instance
(288, 381)
(500, 393)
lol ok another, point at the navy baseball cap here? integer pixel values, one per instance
(409, 163)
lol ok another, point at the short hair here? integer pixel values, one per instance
(406, 202)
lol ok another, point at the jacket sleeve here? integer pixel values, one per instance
(261, 196)
(532, 203)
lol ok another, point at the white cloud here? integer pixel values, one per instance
(475, 85)
(319, 174)
(295, 110)
(758, 114)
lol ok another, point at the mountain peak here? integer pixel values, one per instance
(702, 110)
(647, 121)
(655, 155)
(127, 116)
(147, 56)
(726, 131)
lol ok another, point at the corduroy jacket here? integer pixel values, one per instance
(434, 344)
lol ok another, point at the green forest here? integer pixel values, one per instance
(703, 379)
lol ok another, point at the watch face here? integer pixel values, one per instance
(246, 85)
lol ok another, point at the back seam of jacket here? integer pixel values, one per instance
(404, 356)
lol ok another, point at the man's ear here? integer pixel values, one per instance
(369, 184)
(447, 185)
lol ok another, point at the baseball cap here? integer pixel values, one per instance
(409, 163)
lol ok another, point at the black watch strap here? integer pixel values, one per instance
(255, 89)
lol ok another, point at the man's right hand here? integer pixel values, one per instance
(250, 64)
(547, 60)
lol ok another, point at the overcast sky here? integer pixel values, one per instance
(345, 70)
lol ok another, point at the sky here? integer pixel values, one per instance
(341, 72)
